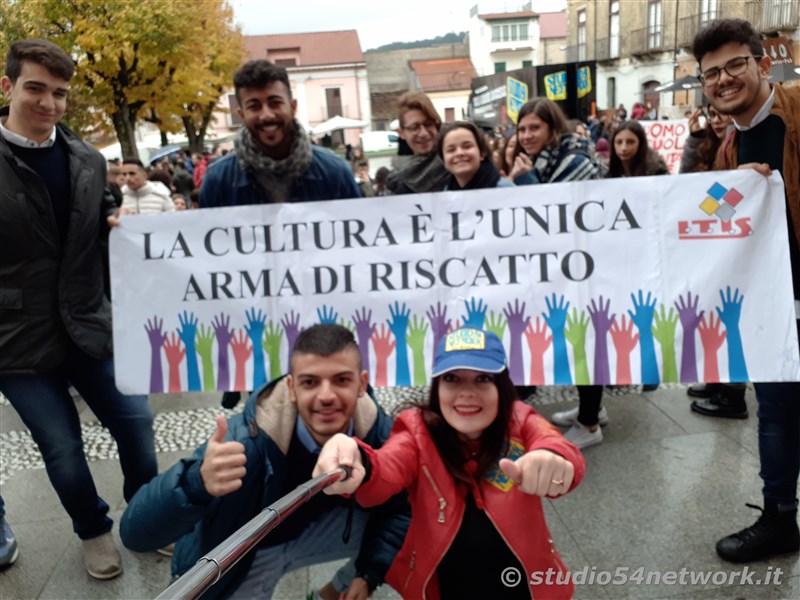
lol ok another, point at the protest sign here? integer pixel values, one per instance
(620, 281)
(668, 139)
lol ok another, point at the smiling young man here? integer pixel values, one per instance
(734, 72)
(55, 320)
(273, 159)
(263, 453)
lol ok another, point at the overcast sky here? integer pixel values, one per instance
(378, 22)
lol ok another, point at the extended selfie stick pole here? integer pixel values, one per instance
(210, 568)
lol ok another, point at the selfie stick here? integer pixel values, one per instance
(210, 568)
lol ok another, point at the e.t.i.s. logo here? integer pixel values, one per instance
(720, 204)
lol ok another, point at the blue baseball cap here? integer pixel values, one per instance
(468, 348)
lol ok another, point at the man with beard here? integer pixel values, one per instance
(273, 159)
(734, 73)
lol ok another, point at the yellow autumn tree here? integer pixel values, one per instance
(135, 58)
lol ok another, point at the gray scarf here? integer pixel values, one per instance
(275, 176)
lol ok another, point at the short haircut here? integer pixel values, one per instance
(549, 112)
(133, 161)
(418, 101)
(42, 52)
(258, 74)
(361, 162)
(480, 140)
(723, 31)
(325, 339)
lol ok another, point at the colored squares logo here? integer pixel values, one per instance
(721, 202)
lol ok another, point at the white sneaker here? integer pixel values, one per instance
(565, 418)
(582, 437)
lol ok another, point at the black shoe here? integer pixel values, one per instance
(774, 533)
(704, 390)
(729, 403)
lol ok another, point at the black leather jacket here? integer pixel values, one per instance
(51, 289)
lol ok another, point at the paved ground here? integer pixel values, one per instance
(659, 492)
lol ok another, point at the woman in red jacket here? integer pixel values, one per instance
(476, 463)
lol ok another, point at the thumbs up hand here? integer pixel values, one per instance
(540, 473)
(223, 463)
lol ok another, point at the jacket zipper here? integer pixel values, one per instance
(561, 567)
(410, 569)
(514, 552)
(442, 501)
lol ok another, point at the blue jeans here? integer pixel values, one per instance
(45, 406)
(320, 542)
(779, 439)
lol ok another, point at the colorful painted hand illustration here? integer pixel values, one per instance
(690, 319)
(224, 334)
(255, 330)
(187, 331)
(729, 314)
(642, 317)
(384, 345)
(417, 330)
(577, 325)
(451, 327)
(437, 315)
(496, 324)
(205, 347)
(175, 354)
(399, 327)
(664, 332)
(364, 330)
(538, 343)
(601, 322)
(624, 342)
(517, 323)
(556, 319)
(272, 346)
(712, 338)
(348, 325)
(291, 324)
(476, 313)
(327, 314)
(242, 351)
(157, 338)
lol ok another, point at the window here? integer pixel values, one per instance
(613, 29)
(499, 67)
(235, 119)
(611, 92)
(708, 11)
(581, 35)
(654, 24)
(511, 30)
(527, 63)
(286, 62)
(449, 115)
(333, 100)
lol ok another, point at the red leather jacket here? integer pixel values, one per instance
(409, 460)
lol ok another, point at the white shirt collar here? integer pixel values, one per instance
(21, 140)
(761, 115)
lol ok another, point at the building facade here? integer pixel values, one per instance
(643, 43)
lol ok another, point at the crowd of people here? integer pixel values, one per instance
(465, 470)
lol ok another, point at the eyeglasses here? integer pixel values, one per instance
(415, 127)
(734, 67)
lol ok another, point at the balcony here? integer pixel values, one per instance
(646, 40)
(769, 16)
(607, 49)
(576, 53)
(689, 26)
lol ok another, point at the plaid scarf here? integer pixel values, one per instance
(275, 176)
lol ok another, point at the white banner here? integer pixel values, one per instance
(683, 278)
(668, 138)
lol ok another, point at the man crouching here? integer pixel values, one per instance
(256, 457)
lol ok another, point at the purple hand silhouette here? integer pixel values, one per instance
(291, 325)
(690, 319)
(437, 315)
(364, 330)
(602, 322)
(224, 333)
(157, 338)
(517, 323)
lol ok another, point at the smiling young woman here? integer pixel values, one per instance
(466, 157)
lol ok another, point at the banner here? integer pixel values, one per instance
(668, 139)
(651, 279)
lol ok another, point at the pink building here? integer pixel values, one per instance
(328, 75)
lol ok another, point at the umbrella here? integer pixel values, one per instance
(679, 85)
(160, 153)
(338, 122)
(784, 72)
